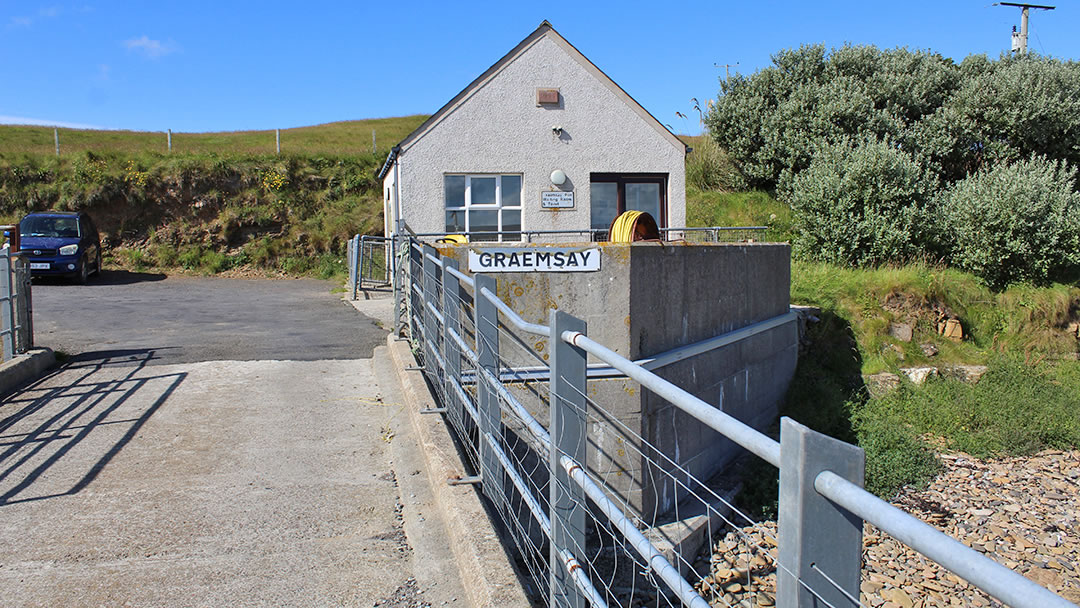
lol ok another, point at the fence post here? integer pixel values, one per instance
(815, 535)
(360, 266)
(7, 310)
(451, 322)
(349, 261)
(399, 281)
(487, 350)
(416, 269)
(431, 329)
(26, 306)
(567, 427)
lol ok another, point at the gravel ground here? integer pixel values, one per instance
(1022, 512)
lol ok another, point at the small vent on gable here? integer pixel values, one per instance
(547, 97)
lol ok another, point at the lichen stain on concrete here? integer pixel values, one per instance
(540, 345)
(619, 253)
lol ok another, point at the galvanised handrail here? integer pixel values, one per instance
(967, 563)
(739, 432)
(986, 574)
(981, 571)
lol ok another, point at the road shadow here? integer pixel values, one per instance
(119, 356)
(106, 278)
(59, 433)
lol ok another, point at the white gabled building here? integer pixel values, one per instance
(492, 158)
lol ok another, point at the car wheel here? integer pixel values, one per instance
(97, 266)
(83, 273)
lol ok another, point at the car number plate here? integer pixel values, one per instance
(39, 265)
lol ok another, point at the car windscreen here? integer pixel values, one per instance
(45, 226)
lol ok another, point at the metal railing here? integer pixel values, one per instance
(698, 234)
(16, 311)
(369, 262)
(601, 550)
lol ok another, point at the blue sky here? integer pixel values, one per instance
(222, 66)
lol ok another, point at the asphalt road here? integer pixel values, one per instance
(214, 442)
(188, 319)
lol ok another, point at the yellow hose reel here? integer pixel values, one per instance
(633, 226)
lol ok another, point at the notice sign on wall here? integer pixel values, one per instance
(534, 259)
(556, 200)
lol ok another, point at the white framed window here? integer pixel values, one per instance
(483, 203)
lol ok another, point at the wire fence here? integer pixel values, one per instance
(578, 494)
(369, 263)
(16, 310)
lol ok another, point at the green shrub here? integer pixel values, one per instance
(709, 168)
(1014, 222)
(165, 255)
(132, 258)
(862, 203)
(895, 457)
(772, 122)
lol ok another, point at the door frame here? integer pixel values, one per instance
(631, 178)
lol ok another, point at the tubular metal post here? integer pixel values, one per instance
(26, 304)
(567, 430)
(487, 351)
(397, 281)
(431, 330)
(8, 311)
(415, 266)
(815, 534)
(360, 266)
(451, 323)
(349, 254)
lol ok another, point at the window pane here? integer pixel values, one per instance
(483, 221)
(511, 191)
(483, 191)
(455, 222)
(511, 222)
(604, 199)
(644, 197)
(454, 188)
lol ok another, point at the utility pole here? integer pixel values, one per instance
(1019, 41)
(726, 67)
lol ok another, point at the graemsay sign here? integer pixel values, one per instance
(534, 259)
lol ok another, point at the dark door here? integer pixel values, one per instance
(611, 194)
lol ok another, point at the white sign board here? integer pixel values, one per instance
(556, 200)
(534, 259)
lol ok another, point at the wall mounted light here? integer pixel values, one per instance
(558, 178)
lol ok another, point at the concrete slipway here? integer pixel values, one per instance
(130, 479)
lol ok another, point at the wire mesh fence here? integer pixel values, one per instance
(599, 515)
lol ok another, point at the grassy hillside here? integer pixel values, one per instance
(218, 201)
(333, 139)
(1026, 336)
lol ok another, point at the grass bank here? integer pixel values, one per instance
(204, 212)
(345, 138)
(1028, 400)
(218, 201)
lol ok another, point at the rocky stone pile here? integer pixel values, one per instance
(1022, 512)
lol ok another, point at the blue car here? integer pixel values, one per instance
(60, 244)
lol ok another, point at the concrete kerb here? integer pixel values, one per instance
(24, 368)
(486, 571)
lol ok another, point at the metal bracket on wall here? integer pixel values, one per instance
(413, 368)
(433, 410)
(462, 481)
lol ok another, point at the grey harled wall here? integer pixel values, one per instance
(649, 298)
(500, 129)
